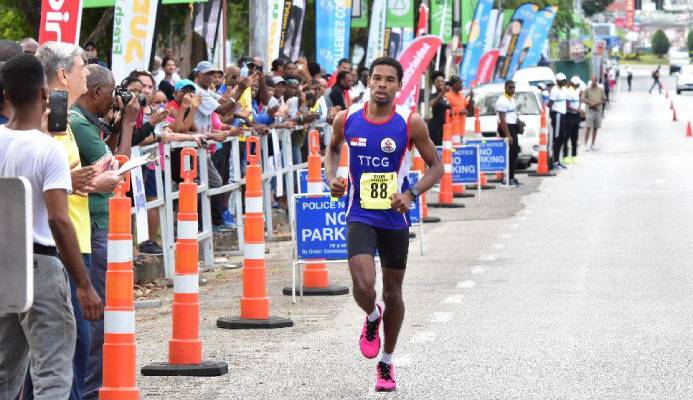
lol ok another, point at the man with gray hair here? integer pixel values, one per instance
(29, 45)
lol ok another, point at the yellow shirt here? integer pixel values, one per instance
(246, 103)
(77, 206)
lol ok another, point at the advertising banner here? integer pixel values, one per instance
(466, 16)
(376, 33)
(400, 14)
(415, 59)
(493, 154)
(320, 227)
(441, 19)
(275, 14)
(526, 12)
(487, 65)
(537, 37)
(475, 45)
(60, 21)
(489, 42)
(333, 24)
(359, 13)
(133, 35)
(292, 28)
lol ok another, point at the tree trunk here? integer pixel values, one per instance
(31, 9)
(101, 26)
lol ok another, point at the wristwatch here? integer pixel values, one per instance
(414, 193)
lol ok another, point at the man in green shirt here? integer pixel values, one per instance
(90, 134)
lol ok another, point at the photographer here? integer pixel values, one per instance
(89, 132)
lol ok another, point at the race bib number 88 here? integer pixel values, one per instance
(376, 190)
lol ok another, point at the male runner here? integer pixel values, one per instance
(380, 135)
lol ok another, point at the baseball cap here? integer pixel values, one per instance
(560, 76)
(183, 83)
(277, 80)
(205, 66)
(575, 80)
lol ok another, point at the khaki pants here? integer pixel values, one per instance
(45, 336)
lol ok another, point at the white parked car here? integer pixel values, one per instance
(684, 80)
(677, 59)
(528, 100)
(535, 75)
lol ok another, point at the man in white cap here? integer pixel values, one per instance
(572, 118)
(558, 108)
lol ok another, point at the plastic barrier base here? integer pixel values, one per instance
(326, 291)
(430, 220)
(484, 187)
(446, 205)
(205, 368)
(464, 195)
(540, 175)
(412, 235)
(240, 323)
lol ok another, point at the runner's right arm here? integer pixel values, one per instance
(333, 154)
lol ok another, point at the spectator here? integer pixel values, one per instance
(314, 70)
(167, 77)
(29, 46)
(8, 49)
(593, 97)
(340, 92)
(456, 97)
(277, 107)
(290, 69)
(439, 104)
(359, 92)
(46, 334)
(342, 65)
(278, 67)
(231, 77)
(93, 54)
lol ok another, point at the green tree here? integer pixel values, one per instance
(660, 43)
(689, 43)
(13, 23)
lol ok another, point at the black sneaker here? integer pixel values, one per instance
(150, 248)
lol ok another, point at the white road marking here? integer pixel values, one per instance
(478, 269)
(514, 226)
(440, 317)
(527, 212)
(423, 337)
(505, 236)
(499, 246)
(454, 299)
(522, 219)
(487, 257)
(403, 360)
(465, 284)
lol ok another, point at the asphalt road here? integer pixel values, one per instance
(572, 287)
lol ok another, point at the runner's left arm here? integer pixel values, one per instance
(422, 141)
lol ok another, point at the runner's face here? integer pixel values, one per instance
(384, 84)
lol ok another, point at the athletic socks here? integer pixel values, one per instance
(374, 315)
(386, 358)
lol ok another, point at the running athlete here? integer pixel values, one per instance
(380, 136)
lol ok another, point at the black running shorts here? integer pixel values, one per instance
(392, 244)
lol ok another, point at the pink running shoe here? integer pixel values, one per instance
(370, 336)
(385, 378)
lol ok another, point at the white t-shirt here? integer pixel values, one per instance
(203, 115)
(507, 105)
(43, 161)
(573, 99)
(558, 96)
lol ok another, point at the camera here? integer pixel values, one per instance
(126, 96)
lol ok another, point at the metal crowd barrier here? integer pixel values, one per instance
(283, 171)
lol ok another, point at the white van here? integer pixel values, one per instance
(535, 75)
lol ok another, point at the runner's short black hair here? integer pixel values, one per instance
(22, 76)
(387, 61)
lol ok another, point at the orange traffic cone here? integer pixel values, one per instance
(119, 362)
(254, 301)
(477, 132)
(689, 132)
(185, 347)
(477, 121)
(315, 275)
(445, 195)
(543, 161)
(420, 165)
